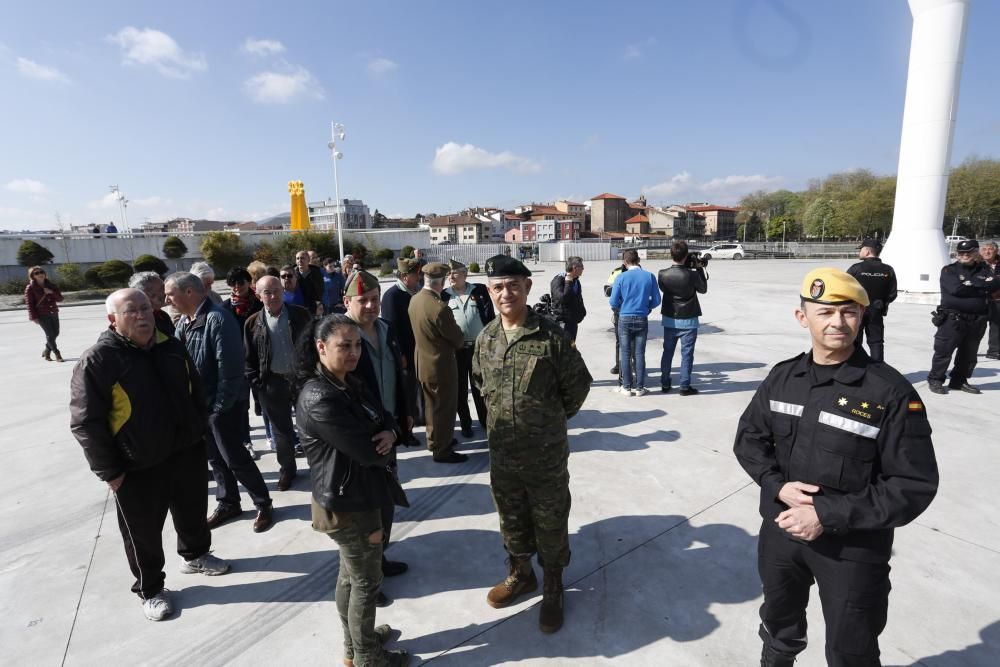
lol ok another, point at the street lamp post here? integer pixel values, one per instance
(337, 133)
(123, 211)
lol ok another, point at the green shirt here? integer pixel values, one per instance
(466, 313)
(384, 364)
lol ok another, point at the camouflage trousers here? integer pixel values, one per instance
(534, 513)
(358, 583)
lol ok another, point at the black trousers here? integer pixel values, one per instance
(464, 359)
(571, 329)
(854, 596)
(872, 327)
(961, 338)
(50, 326)
(993, 343)
(231, 462)
(143, 499)
(276, 399)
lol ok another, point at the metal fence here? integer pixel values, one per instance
(465, 253)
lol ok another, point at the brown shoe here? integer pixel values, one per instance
(263, 520)
(47, 355)
(550, 616)
(520, 580)
(285, 480)
(58, 356)
(223, 514)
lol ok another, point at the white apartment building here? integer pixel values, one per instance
(323, 215)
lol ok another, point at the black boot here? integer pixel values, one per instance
(550, 616)
(771, 658)
(47, 354)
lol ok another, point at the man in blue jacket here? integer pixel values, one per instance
(634, 295)
(213, 340)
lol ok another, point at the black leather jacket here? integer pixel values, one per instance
(681, 287)
(337, 422)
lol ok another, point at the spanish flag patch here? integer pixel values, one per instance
(915, 406)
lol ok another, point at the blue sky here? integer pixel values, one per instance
(207, 109)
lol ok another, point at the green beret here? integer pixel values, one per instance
(436, 270)
(502, 266)
(360, 282)
(456, 265)
(405, 266)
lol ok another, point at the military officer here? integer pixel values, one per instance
(879, 281)
(841, 449)
(962, 318)
(533, 379)
(437, 336)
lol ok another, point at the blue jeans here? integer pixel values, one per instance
(687, 337)
(632, 330)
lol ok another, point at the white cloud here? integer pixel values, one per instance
(453, 158)
(282, 87)
(382, 66)
(262, 47)
(159, 50)
(632, 52)
(33, 70)
(722, 189)
(27, 186)
(109, 200)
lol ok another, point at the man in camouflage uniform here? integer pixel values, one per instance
(522, 363)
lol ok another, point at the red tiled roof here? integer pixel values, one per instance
(606, 195)
(637, 218)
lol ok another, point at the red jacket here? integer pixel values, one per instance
(40, 303)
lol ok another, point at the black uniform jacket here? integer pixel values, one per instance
(337, 422)
(862, 437)
(396, 311)
(879, 281)
(132, 408)
(966, 289)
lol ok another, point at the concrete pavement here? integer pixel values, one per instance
(663, 527)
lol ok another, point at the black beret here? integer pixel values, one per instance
(967, 246)
(502, 266)
(871, 243)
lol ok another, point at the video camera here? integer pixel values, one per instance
(695, 260)
(545, 308)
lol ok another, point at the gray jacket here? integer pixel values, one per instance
(214, 342)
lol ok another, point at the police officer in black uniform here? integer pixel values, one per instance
(841, 449)
(961, 318)
(879, 281)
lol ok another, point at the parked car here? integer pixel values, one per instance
(725, 251)
(954, 239)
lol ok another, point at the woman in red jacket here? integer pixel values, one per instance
(42, 297)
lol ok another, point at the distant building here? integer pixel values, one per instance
(323, 215)
(637, 224)
(719, 221)
(189, 226)
(608, 213)
(460, 229)
(513, 235)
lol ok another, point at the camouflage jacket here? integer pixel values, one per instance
(531, 387)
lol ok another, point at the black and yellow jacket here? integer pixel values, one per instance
(132, 408)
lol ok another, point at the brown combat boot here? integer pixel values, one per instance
(550, 617)
(520, 580)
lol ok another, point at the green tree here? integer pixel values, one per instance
(783, 227)
(31, 253)
(286, 247)
(224, 251)
(150, 263)
(114, 273)
(378, 218)
(174, 248)
(70, 277)
(974, 196)
(92, 276)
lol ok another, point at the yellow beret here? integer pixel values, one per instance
(832, 286)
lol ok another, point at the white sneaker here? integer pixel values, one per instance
(157, 607)
(205, 564)
(624, 392)
(641, 391)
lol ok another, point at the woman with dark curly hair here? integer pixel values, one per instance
(42, 296)
(347, 438)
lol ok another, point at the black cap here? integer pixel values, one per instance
(967, 246)
(871, 243)
(502, 266)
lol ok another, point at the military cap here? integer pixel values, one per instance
(405, 266)
(832, 286)
(436, 269)
(456, 265)
(502, 266)
(871, 243)
(360, 282)
(967, 246)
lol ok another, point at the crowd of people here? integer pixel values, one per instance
(342, 372)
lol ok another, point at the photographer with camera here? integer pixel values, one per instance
(567, 296)
(681, 284)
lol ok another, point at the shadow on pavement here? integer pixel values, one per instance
(613, 611)
(983, 654)
(610, 441)
(713, 378)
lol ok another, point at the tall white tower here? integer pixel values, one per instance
(916, 247)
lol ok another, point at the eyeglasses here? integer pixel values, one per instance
(38, 273)
(286, 276)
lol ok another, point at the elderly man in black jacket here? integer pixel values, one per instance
(269, 341)
(136, 409)
(567, 296)
(681, 284)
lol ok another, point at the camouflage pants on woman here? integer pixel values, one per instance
(358, 584)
